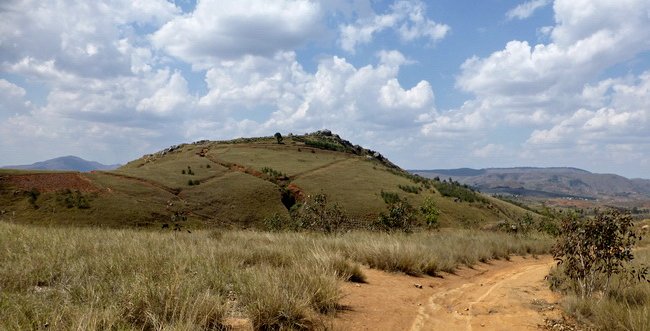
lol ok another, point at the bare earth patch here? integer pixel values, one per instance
(501, 295)
(50, 182)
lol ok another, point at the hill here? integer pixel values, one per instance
(70, 162)
(547, 182)
(237, 183)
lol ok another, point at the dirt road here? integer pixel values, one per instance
(501, 295)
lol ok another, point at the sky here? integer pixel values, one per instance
(429, 84)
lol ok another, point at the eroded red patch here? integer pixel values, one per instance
(49, 182)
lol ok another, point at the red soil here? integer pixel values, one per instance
(49, 182)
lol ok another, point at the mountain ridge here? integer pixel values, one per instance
(67, 163)
(546, 182)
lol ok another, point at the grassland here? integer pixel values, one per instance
(127, 279)
(208, 184)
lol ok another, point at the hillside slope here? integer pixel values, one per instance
(236, 183)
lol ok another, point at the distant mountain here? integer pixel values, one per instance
(546, 182)
(66, 163)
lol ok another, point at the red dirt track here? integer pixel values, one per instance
(49, 182)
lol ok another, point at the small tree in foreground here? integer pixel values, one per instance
(593, 249)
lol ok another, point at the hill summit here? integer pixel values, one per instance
(240, 183)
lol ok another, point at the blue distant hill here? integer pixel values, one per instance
(70, 162)
(546, 182)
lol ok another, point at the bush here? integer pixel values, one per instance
(71, 199)
(275, 223)
(593, 249)
(390, 197)
(430, 212)
(522, 225)
(278, 137)
(316, 214)
(410, 188)
(401, 217)
(274, 174)
(456, 190)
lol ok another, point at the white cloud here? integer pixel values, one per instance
(336, 95)
(617, 132)
(172, 96)
(12, 98)
(526, 9)
(79, 37)
(489, 150)
(408, 18)
(585, 41)
(220, 29)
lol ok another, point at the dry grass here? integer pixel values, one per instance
(625, 307)
(91, 279)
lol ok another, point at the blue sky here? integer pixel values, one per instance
(435, 84)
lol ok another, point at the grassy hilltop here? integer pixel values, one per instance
(237, 183)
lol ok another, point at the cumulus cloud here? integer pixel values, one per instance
(585, 40)
(338, 94)
(219, 29)
(78, 37)
(624, 118)
(12, 98)
(526, 9)
(408, 18)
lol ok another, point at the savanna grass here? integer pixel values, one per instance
(626, 306)
(98, 279)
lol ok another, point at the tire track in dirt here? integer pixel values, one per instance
(501, 295)
(509, 299)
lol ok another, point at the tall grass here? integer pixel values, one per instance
(92, 279)
(626, 306)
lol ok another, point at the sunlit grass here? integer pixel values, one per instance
(92, 279)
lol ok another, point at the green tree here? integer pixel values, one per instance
(401, 217)
(593, 249)
(317, 214)
(278, 137)
(431, 212)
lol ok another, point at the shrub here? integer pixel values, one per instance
(430, 212)
(593, 249)
(317, 214)
(33, 195)
(390, 197)
(456, 190)
(274, 174)
(522, 225)
(278, 137)
(401, 216)
(71, 199)
(410, 188)
(275, 223)
(320, 144)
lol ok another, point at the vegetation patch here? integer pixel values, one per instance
(456, 190)
(604, 279)
(94, 278)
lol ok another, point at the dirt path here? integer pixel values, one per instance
(501, 295)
